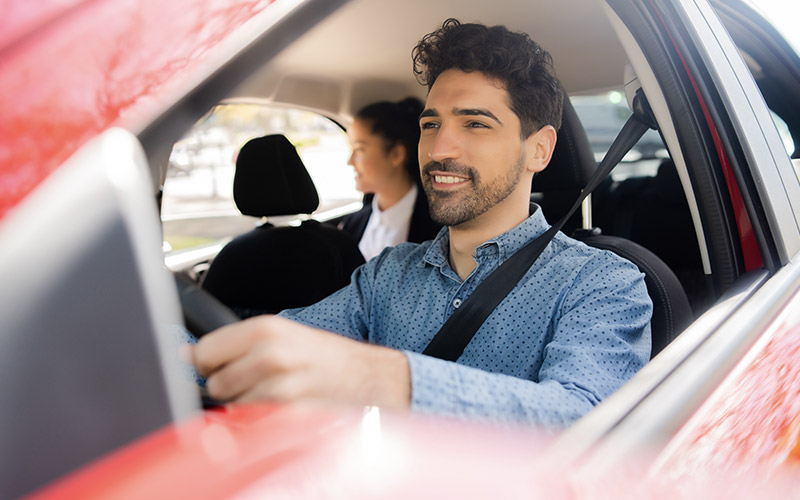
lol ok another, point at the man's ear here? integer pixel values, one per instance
(397, 155)
(539, 148)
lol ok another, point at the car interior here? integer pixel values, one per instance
(674, 218)
(659, 209)
(673, 201)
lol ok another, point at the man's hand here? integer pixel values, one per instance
(273, 358)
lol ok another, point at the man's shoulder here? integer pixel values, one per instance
(403, 254)
(566, 247)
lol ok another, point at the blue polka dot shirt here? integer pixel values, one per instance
(572, 331)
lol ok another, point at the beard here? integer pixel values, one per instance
(451, 208)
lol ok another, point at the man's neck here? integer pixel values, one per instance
(466, 237)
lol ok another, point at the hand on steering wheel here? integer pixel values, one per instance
(202, 313)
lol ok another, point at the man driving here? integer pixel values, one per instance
(572, 331)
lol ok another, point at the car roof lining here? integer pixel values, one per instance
(367, 57)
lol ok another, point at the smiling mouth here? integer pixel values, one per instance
(445, 180)
(448, 179)
(448, 175)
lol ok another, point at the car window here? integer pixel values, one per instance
(788, 141)
(197, 205)
(783, 130)
(783, 17)
(603, 116)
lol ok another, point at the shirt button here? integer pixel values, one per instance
(456, 303)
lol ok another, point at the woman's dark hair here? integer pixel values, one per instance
(521, 64)
(397, 123)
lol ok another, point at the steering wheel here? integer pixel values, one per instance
(202, 312)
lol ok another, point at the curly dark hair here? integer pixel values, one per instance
(397, 123)
(521, 64)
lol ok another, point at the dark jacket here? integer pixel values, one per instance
(422, 228)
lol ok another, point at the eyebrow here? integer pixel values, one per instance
(463, 112)
(428, 112)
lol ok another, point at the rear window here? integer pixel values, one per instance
(603, 116)
(197, 205)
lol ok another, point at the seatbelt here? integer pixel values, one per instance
(451, 340)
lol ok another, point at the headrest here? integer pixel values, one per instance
(271, 179)
(573, 163)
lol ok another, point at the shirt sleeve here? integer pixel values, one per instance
(601, 337)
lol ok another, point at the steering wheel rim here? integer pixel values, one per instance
(202, 312)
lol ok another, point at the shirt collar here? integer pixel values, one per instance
(398, 213)
(505, 244)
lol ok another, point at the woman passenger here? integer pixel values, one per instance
(384, 137)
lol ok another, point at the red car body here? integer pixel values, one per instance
(58, 92)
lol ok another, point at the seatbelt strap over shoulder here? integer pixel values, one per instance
(451, 340)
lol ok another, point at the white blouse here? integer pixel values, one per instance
(387, 228)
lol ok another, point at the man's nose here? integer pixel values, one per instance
(446, 145)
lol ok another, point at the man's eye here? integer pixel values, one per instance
(429, 125)
(477, 125)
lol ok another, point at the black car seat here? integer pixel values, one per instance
(653, 211)
(558, 186)
(273, 268)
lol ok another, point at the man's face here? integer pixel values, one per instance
(471, 155)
